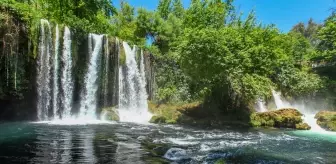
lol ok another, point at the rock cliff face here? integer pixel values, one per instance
(327, 120)
(17, 69)
(283, 118)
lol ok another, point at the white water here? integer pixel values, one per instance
(133, 105)
(67, 83)
(106, 82)
(89, 97)
(278, 101)
(261, 106)
(44, 71)
(308, 114)
(56, 67)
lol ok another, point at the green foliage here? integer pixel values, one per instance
(204, 51)
(327, 35)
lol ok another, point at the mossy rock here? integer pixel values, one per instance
(302, 126)
(111, 114)
(158, 119)
(220, 161)
(282, 118)
(327, 120)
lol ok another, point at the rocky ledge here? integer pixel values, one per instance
(282, 118)
(327, 120)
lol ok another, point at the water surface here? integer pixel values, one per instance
(122, 143)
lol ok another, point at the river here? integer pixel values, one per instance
(122, 143)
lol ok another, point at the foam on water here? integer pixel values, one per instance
(72, 121)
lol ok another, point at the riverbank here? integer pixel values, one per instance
(197, 114)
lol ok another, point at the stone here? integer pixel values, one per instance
(282, 118)
(327, 120)
(110, 114)
(176, 154)
(302, 126)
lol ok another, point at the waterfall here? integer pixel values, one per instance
(308, 113)
(67, 83)
(44, 71)
(133, 105)
(89, 96)
(116, 73)
(278, 101)
(261, 106)
(143, 93)
(56, 66)
(106, 80)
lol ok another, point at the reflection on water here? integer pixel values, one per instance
(131, 143)
(87, 146)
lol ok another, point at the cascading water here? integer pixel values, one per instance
(44, 71)
(89, 97)
(278, 101)
(261, 106)
(56, 66)
(133, 105)
(308, 114)
(67, 83)
(106, 80)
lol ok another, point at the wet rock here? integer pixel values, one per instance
(282, 118)
(111, 114)
(327, 120)
(158, 119)
(160, 151)
(302, 126)
(175, 154)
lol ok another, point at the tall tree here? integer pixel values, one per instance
(164, 8)
(178, 9)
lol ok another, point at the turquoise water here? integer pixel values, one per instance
(122, 143)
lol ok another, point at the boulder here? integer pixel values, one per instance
(302, 126)
(110, 113)
(176, 154)
(158, 119)
(327, 120)
(282, 118)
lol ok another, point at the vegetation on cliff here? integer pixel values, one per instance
(327, 120)
(203, 53)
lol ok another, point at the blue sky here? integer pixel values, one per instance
(283, 13)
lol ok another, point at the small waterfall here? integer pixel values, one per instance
(143, 93)
(133, 105)
(67, 83)
(261, 106)
(308, 113)
(278, 101)
(56, 67)
(107, 66)
(89, 97)
(44, 71)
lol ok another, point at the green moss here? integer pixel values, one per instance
(158, 120)
(220, 161)
(283, 118)
(327, 120)
(193, 114)
(302, 126)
